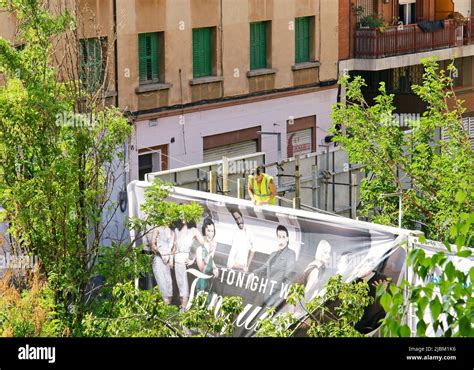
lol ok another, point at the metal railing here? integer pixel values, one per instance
(407, 39)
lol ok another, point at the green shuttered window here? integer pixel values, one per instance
(258, 45)
(149, 58)
(92, 63)
(202, 52)
(302, 40)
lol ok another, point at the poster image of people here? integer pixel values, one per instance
(257, 253)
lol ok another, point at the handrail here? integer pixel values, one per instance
(408, 39)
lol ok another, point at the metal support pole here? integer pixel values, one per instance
(241, 188)
(225, 175)
(400, 205)
(400, 210)
(353, 196)
(213, 182)
(315, 185)
(297, 199)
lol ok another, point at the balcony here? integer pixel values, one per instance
(408, 39)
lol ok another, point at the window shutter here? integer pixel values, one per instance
(202, 52)
(155, 58)
(207, 52)
(92, 63)
(96, 66)
(142, 57)
(197, 60)
(302, 40)
(149, 58)
(258, 45)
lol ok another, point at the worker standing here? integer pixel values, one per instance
(261, 187)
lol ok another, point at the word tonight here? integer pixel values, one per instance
(37, 353)
(253, 282)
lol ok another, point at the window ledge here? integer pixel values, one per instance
(152, 87)
(305, 65)
(261, 72)
(206, 80)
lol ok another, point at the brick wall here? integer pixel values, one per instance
(344, 30)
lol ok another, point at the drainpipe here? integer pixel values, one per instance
(115, 53)
(221, 36)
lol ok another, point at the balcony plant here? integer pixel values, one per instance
(373, 22)
(458, 18)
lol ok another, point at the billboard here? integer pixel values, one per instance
(257, 253)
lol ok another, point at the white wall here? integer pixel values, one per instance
(271, 115)
(463, 7)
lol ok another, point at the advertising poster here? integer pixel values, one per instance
(257, 253)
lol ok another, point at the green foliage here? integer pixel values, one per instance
(29, 311)
(440, 170)
(374, 21)
(142, 313)
(215, 320)
(334, 314)
(56, 174)
(441, 298)
(159, 212)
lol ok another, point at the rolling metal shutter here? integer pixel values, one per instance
(230, 151)
(468, 127)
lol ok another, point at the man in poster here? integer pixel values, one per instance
(280, 265)
(241, 252)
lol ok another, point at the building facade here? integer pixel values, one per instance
(385, 41)
(225, 73)
(204, 78)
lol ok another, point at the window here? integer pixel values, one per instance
(397, 80)
(145, 165)
(149, 163)
(202, 52)
(258, 45)
(303, 40)
(149, 57)
(407, 13)
(92, 59)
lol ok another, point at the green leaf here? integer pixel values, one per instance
(465, 327)
(397, 299)
(421, 328)
(435, 307)
(460, 196)
(460, 240)
(422, 303)
(385, 301)
(404, 331)
(450, 271)
(464, 253)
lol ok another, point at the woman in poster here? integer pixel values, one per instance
(314, 272)
(162, 239)
(205, 254)
(185, 236)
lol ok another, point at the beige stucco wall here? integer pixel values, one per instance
(7, 26)
(329, 40)
(177, 18)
